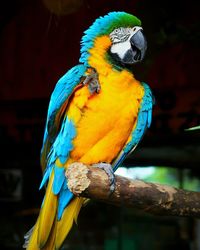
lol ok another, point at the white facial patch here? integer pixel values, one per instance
(121, 40)
(120, 48)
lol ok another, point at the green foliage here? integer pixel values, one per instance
(163, 175)
(171, 176)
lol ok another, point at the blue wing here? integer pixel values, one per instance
(59, 99)
(143, 122)
(58, 136)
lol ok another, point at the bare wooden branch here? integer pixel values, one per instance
(157, 199)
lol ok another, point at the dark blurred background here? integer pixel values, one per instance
(39, 42)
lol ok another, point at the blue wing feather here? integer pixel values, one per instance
(65, 197)
(59, 177)
(58, 136)
(143, 122)
(63, 90)
(45, 178)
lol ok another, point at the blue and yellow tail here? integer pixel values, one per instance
(49, 231)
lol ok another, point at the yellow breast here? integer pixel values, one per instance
(104, 121)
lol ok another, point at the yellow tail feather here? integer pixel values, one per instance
(32, 245)
(69, 216)
(50, 244)
(47, 214)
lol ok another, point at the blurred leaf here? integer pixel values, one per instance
(193, 128)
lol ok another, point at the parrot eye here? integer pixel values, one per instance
(116, 31)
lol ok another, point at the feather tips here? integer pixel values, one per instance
(31, 240)
(59, 178)
(63, 143)
(65, 224)
(65, 197)
(45, 177)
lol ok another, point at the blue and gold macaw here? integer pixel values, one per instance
(98, 113)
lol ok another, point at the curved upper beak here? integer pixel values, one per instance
(138, 45)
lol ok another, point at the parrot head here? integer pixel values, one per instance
(119, 35)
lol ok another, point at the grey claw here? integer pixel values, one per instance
(93, 82)
(109, 171)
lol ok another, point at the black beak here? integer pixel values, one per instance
(139, 45)
(138, 48)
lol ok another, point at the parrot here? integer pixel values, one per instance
(98, 113)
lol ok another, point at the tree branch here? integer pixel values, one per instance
(157, 199)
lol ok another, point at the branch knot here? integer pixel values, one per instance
(77, 178)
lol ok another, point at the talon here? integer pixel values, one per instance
(92, 81)
(109, 171)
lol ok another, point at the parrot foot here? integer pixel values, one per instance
(92, 81)
(109, 171)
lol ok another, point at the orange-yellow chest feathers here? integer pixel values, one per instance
(105, 120)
